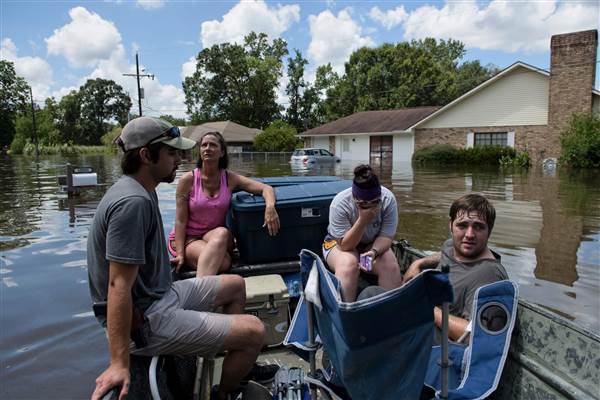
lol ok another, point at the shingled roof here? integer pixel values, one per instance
(373, 121)
(231, 131)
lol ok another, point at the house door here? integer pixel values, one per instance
(381, 154)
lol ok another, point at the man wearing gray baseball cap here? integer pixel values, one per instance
(145, 312)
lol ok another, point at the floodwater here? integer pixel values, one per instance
(547, 231)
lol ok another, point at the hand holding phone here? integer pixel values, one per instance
(366, 262)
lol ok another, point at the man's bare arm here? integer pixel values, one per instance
(120, 307)
(456, 325)
(430, 261)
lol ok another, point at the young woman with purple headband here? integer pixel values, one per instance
(362, 225)
(199, 239)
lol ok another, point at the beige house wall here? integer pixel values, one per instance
(518, 98)
(530, 138)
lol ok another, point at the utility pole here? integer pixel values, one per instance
(35, 140)
(138, 75)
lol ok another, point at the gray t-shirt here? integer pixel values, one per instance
(127, 228)
(466, 278)
(343, 213)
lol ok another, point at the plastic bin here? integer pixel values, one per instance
(267, 298)
(303, 213)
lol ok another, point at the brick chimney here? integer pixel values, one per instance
(572, 75)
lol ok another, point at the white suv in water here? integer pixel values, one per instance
(313, 155)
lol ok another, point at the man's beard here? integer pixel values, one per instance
(170, 178)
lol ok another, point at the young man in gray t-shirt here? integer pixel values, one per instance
(129, 271)
(471, 262)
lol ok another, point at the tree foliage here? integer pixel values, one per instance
(407, 74)
(101, 100)
(237, 82)
(173, 120)
(279, 136)
(14, 92)
(70, 122)
(295, 89)
(581, 141)
(306, 106)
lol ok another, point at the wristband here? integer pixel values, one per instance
(373, 249)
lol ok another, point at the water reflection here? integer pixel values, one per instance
(547, 231)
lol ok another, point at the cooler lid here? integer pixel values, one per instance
(259, 288)
(296, 180)
(291, 194)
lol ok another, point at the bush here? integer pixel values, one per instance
(445, 154)
(279, 136)
(436, 154)
(520, 160)
(581, 142)
(18, 144)
(108, 138)
(64, 149)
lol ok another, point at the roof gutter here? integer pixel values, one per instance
(405, 131)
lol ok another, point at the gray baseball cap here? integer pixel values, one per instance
(143, 131)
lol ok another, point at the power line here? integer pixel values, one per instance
(138, 75)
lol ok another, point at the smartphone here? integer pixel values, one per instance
(367, 262)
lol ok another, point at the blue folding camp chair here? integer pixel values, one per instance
(476, 368)
(380, 346)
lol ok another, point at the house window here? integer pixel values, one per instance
(345, 145)
(491, 139)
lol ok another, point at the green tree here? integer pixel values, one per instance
(14, 92)
(313, 110)
(69, 118)
(279, 136)
(407, 74)
(236, 82)
(295, 89)
(580, 141)
(174, 121)
(101, 100)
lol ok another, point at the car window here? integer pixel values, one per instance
(309, 153)
(325, 153)
(299, 152)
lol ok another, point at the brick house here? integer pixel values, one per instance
(522, 107)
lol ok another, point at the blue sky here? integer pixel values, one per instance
(57, 45)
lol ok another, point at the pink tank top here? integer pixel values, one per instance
(205, 213)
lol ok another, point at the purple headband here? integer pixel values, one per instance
(366, 194)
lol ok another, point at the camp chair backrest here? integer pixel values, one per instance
(378, 346)
(477, 367)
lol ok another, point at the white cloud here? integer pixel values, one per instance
(107, 55)
(390, 18)
(36, 71)
(334, 38)
(502, 25)
(73, 40)
(188, 68)
(246, 17)
(150, 4)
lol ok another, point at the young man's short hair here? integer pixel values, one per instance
(131, 160)
(474, 203)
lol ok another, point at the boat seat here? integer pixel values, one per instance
(476, 367)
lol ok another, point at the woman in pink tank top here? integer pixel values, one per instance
(199, 239)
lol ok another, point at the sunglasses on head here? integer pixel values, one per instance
(171, 133)
(367, 203)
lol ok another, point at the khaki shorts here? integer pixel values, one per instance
(183, 321)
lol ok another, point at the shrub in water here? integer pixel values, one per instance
(581, 142)
(446, 154)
